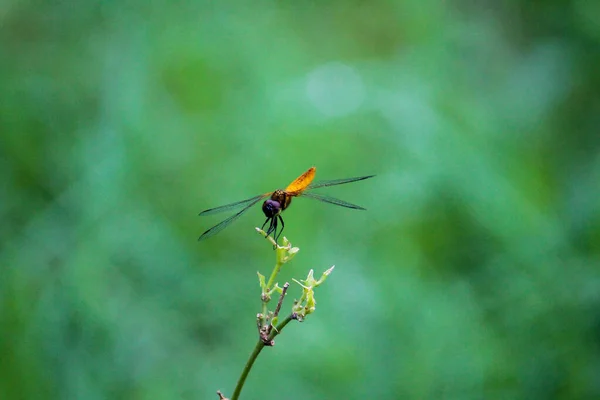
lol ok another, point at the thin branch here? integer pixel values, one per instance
(257, 349)
(264, 331)
(283, 291)
(240, 384)
(273, 276)
(282, 325)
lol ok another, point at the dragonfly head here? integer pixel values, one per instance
(271, 208)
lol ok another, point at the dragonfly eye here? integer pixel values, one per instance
(271, 208)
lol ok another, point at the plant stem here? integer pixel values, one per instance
(264, 311)
(281, 325)
(240, 384)
(281, 297)
(274, 274)
(257, 349)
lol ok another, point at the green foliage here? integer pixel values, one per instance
(475, 272)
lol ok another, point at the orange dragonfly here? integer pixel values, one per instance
(279, 200)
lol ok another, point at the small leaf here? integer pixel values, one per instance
(261, 281)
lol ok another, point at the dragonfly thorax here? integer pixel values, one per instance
(278, 202)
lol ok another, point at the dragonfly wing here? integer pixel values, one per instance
(237, 204)
(334, 182)
(301, 182)
(225, 223)
(331, 200)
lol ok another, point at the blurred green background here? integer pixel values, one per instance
(474, 274)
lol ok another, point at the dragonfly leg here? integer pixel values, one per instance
(274, 226)
(271, 227)
(263, 225)
(282, 226)
(275, 231)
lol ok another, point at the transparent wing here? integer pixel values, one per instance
(237, 204)
(331, 200)
(334, 182)
(225, 223)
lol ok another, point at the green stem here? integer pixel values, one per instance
(265, 294)
(263, 319)
(281, 325)
(274, 274)
(257, 349)
(240, 384)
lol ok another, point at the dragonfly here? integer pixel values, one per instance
(279, 200)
